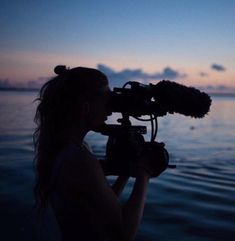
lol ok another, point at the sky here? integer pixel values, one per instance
(188, 41)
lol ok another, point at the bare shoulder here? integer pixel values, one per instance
(81, 171)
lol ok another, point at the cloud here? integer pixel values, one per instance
(219, 89)
(30, 84)
(118, 78)
(168, 73)
(4, 83)
(203, 74)
(37, 83)
(218, 67)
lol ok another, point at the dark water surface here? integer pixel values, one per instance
(195, 201)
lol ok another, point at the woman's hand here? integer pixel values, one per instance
(153, 160)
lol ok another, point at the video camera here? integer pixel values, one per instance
(126, 143)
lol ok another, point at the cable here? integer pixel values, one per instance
(127, 83)
(156, 128)
(152, 128)
(139, 119)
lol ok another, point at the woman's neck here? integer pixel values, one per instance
(77, 136)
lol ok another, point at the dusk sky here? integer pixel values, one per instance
(188, 41)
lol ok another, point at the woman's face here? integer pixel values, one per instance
(99, 107)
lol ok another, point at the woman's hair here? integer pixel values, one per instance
(58, 109)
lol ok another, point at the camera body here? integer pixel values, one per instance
(125, 146)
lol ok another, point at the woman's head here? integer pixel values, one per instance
(65, 95)
(74, 100)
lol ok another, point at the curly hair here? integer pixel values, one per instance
(59, 101)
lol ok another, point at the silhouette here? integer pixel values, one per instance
(68, 175)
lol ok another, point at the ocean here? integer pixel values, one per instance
(193, 202)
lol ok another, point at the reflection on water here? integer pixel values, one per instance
(195, 201)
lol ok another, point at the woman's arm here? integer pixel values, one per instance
(119, 185)
(133, 209)
(130, 214)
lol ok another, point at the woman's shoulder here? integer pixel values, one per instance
(73, 155)
(80, 171)
(75, 152)
(77, 162)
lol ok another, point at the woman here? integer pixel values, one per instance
(69, 177)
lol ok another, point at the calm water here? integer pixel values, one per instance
(195, 201)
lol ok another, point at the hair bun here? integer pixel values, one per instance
(60, 69)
